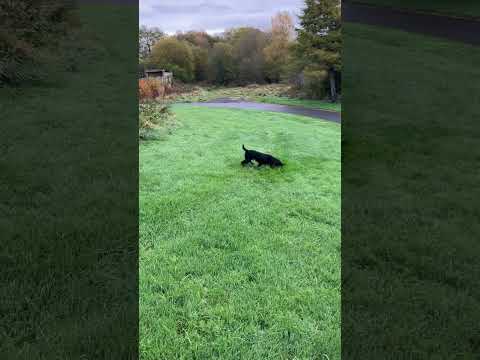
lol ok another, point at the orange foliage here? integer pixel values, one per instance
(151, 89)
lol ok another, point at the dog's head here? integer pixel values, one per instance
(277, 163)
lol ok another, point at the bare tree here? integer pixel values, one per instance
(147, 37)
(283, 26)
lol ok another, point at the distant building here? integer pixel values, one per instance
(164, 76)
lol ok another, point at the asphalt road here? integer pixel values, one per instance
(451, 28)
(287, 109)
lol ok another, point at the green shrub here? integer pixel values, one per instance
(315, 83)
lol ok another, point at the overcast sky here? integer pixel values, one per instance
(213, 15)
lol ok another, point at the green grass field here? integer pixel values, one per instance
(460, 8)
(240, 263)
(410, 161)
(311, 104)
(69, 200)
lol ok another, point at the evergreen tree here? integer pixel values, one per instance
(320, 44)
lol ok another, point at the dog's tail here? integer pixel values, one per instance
(243, 147)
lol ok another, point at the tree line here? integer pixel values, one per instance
(308, 57)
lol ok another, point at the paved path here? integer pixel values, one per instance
(451, 28)
(287, 109)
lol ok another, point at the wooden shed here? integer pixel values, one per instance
(164, 76)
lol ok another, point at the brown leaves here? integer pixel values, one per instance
(151, 89)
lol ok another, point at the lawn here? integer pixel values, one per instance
(69, 202)
(410, 189)
(272, 94)
(312, 104)
(240, 263)
(459, 8)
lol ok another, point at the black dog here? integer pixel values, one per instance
(260, 158)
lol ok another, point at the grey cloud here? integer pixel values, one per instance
(203, 8)
(174, 15)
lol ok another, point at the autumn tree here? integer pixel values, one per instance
(201, 44)
(248, 53)
(173, 55)
(221, 68)
(319, 46)
(277, 51)
(200, 56)
(197, 38)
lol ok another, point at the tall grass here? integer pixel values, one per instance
(154, 120)
(240, 263)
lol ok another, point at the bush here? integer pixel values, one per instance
(315, 83)
(151, 89)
